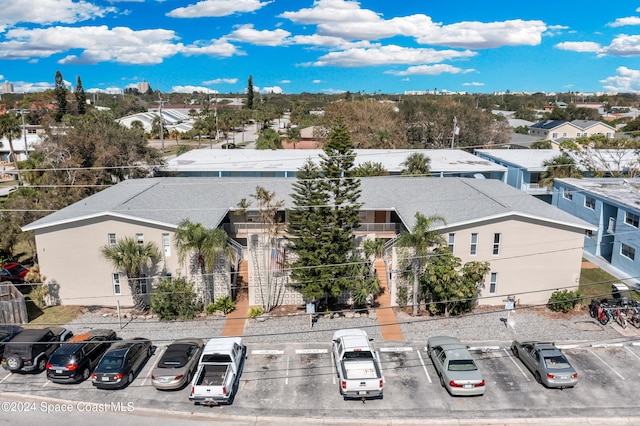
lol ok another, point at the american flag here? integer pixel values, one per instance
(277, 260)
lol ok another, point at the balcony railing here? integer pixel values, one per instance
(534, 188)
(244, 228)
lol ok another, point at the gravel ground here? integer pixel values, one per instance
(523, 324)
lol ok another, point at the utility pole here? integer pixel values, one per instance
(161, 102)
(22, 112)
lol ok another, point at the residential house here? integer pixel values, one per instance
(558, 129)
(286, 163)
(533, 248)
(612, 206)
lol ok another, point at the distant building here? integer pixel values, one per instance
(558, 129)
(7, 87)
(142, 87)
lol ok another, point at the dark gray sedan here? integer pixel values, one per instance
(547, 363)
(176, 365)
(122, 361)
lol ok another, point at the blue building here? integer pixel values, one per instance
(613, 206)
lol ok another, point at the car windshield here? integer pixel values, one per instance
(556, 362)
(16, 269)
(111, 362)
(462, 365)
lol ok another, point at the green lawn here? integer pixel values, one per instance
(596, 284)
(50, 316)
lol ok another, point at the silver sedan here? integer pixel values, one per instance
(176, 365)
(547, 363)
(455, 366)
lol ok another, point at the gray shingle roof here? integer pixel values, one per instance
(167, 201)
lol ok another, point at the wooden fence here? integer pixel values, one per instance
(13, 309)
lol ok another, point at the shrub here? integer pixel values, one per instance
(223, 304)
(564, 300)
(255, 311)
(174, 298)
(402, 296)
(38, 295)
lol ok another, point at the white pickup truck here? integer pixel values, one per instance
(357, 364)
(218, 373)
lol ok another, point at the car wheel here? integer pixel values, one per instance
(189, 377)
(149, 352)
(130, 377)
(14, 363)
(42, 364)
(538, 377)
(85, 373)
(442, 381)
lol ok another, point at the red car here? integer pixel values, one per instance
(14, 272)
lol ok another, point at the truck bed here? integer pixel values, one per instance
(212, 375)
(360, 369)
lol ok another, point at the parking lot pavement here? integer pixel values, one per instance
(299, 380)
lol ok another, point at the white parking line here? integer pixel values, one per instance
(516, 364)
(397, 349)
(381, 372)
(266, 352)
(424, 367)
(311, 351)
(602, 361)
(632, 352)
(286, 381)
(6, 377)
(333, 364)
(47, 381)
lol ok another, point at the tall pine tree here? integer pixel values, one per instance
(81, 97)
(321, 226)
(249, 104)
(60, 91)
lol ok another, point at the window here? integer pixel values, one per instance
(116, 283)
(566, 193)
(452, 242)
(554, 136)
(564, 134)
(631, 219)
(144, 284)
(474, 245)
(628, 251)
(496, 244)
(609, 135)
(166, 244)
(493, 283)
(590, 203)
(140, 238)
(112, 240)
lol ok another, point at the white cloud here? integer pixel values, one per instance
(217, 8)
(386, 55)
(580, 46)
(620, 22)
(334, 91)
(221, 81)
(624, 45)
(192, 89)
(108, 90)
(29, 87)
(316, 81)
(274, 89)
(346, 20)
(473, 83)
(285, 81)
(219, 47)
(625, 80)
(246, 33)
(49, 11)
(430, 70)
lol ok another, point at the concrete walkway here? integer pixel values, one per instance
(386, 316)
(236, 320)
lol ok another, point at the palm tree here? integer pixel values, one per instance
(417, 164)
(205, 246)
(560, 166)
(10, 128)
(133, 258)
(421, 240)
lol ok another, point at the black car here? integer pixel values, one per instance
(8, 332)
(30, 349)
(119, 365)
(73, 361)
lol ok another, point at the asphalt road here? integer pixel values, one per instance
(298, 381)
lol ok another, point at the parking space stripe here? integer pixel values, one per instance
(46, 382)
(311, 351)
(424, 367)
(266, 352)
(602, 361)
(333, 364)
(286, 380)
(632, 352)
(516, 364)
(6, 377)
(397, 349)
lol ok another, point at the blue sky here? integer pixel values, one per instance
(323, 46)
